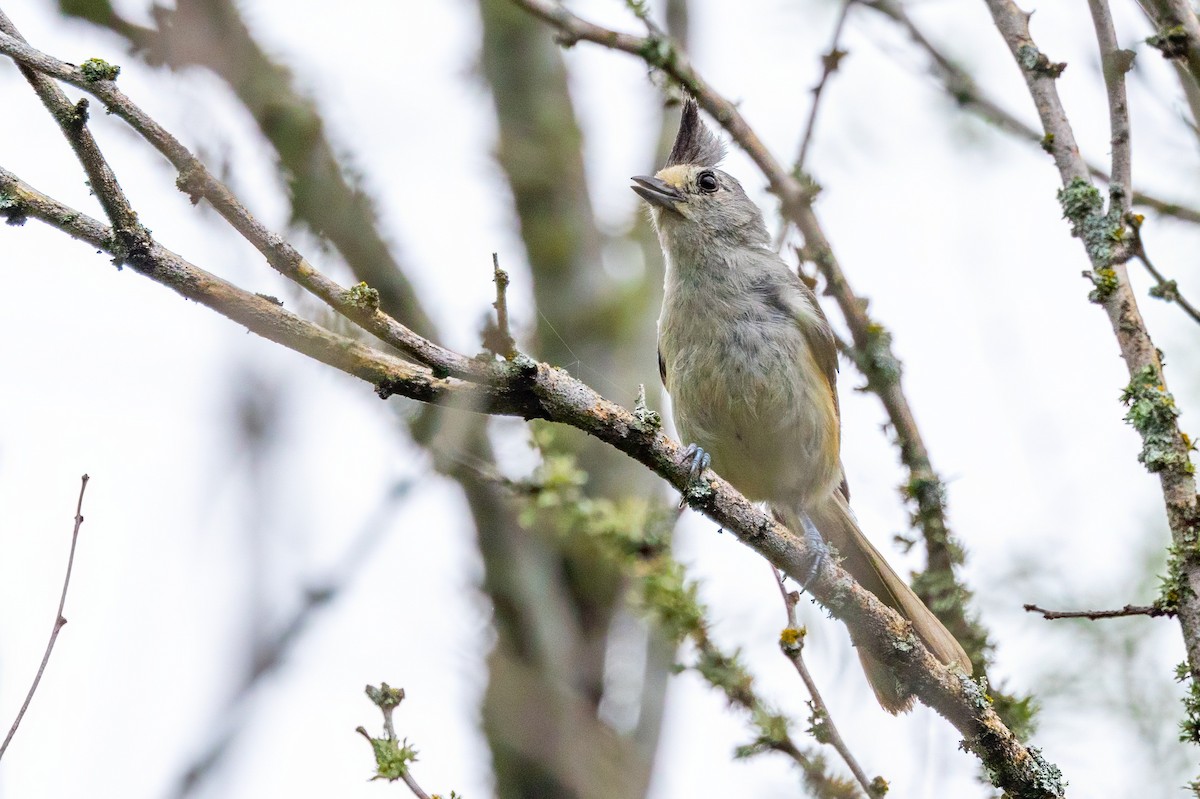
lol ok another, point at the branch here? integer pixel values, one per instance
(1178, 35)
(791, 642)
(59, 621)
(392, 756)
(361, 306)
(1152, 412)
(532, 390)
(829, 64)
(1129, 610)
(1163, 289)
(963, 89)
(871, 351)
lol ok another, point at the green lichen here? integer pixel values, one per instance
(1167, 290)
(392, 758)
(876, 359)
(645, 419)
(1034, 60)
(1083, 207)
(363, 297)
(96, 69)
(1153, 413)
(1048, 142)
(1171, 41)
(1189, 727)
(12, 209)
(658, 51)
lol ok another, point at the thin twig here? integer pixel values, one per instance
(497, 338)
(59, 620)
(829, 64)
(290, 634)
(1114, 63)
(1164, 289)
(963, 89)
(392, 756)
(1128, 610)
(792, 644)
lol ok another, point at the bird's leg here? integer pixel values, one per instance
(818, 549)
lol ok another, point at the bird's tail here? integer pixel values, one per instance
(836, 523)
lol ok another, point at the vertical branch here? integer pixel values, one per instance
(59, 621)
(1152, 412)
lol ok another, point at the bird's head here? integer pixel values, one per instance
(694, 203)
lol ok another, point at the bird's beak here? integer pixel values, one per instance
(657, 192)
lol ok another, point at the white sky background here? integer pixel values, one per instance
(950, 228)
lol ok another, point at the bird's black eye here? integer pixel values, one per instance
(707, 182)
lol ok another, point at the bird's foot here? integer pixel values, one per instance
(697, 460)
(817, 548)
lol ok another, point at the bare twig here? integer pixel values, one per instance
(59, 620)
(1128, 610)
(791, 641)
(1114, 63)
(497, 338)
(288, 635)
(829, 64)
(1164, 289)
(959, 84)
(1153, 413)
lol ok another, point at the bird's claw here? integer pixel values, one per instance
(818, 550)
(697, 460)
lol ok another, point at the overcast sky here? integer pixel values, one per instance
(952, 230)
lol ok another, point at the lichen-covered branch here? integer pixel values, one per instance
(1152, 410)
(530, 390)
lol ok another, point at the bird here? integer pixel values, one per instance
(750, 363)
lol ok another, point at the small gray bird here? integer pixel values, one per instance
(751, 365)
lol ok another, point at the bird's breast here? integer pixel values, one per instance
(745, 386)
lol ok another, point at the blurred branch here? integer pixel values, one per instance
(1178, 34)
(963, 89)
(1152, 409)
(1128, 610)
(632, 535)
(791, 642)
(211, 34)
(59, 621)
(291, 632)
(1163, 289)
(871, 351)
(830, 62)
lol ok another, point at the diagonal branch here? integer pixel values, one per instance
(528, 389)
(59, 621)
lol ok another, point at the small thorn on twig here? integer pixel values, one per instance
(496, 336)
(1128, 610)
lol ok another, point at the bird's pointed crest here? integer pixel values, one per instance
(695, 143)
